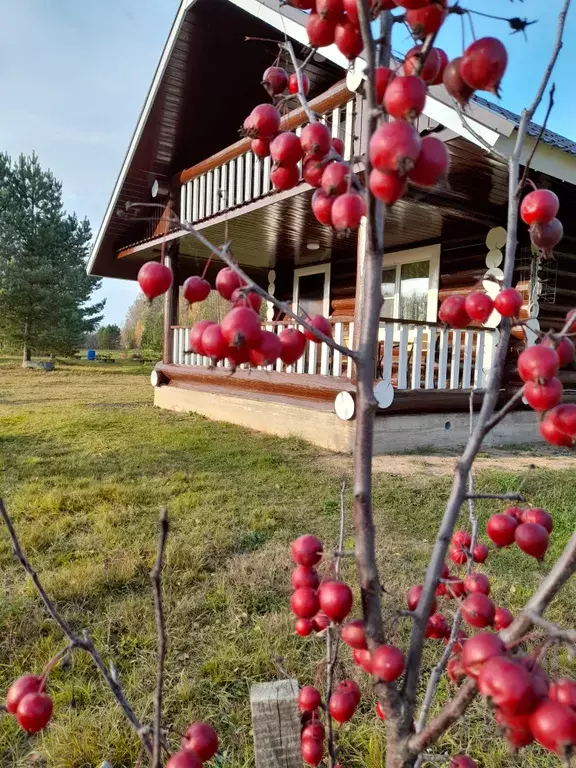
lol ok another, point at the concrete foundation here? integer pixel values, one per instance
(321, 426)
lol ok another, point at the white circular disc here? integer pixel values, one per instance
(271, 275)
(384, 393)
(345, 406)
(494, 258)
(496, 273)
(491, 287)
(353, 80)
(494, 320)
(155, 379)
(271, 288)
(496, 238)
(534, 312)
(270, 311)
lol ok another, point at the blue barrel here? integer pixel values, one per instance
(91, 354)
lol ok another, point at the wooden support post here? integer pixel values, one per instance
(359, 301)
(172, 260)
(276, 724)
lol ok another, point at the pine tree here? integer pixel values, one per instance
(44, 289)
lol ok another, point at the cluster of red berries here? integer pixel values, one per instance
(528, 705)
(28, 701)
(461, 311)
(528, 528)
(538, 210)
(199, 744)
(341, 706)
(315, 604)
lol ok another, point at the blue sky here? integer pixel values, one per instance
(74, 75)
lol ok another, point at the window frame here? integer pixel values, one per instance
(429, 253)
(316, 269)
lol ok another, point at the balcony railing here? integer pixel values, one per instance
(412, 355)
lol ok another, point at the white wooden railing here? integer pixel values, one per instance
(411, 355)
(246, 178)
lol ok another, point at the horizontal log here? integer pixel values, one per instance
(334, 97)
(464, 277)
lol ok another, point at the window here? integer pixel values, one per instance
(410, 284)
(311, 290)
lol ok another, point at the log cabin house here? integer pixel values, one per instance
(185, 153)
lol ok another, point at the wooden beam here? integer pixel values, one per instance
(276, 724)
(326, 102)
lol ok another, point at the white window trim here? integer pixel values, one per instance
(318, 269)
(429, 253)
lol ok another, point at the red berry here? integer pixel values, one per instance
(563, 690)
(304, 603)
(241, 298)
(34, 711)
(508, 302)
(395, 147)
(544, 396)
(293, 344)
(184, 759)
(241, 326)
(196, 336)
(347, 211)
(320, 31)
(213, 343)
(532, 539)
(564, 349)
(227, 281)
(312, 172)
(341, 706)
(454, 84)
(538, 363)
(316, 140)
(353, 634)
(462, 761)
(21, 687)
(348, 39)
(479, 306)
(462, 537)
(304, 577)
(458, 554)
(338, 146)
(546, 236)
(201, 739)
(427, 20)
(267, 351)
(196, 289)
(502, 619)
(477, 582)
(322, 324)
(409, 4)
(453, 312)
(293, 84)
(429, 70)
(478, 610)
(260, 147)
(455, 670)
(483, 64)
(480, 554)
(387, 186)
(309, 699)
(285, 177)
(333, 10)
(405, 97)
(275, 80)
(380, 711)
(335, 599)
(554, 727)
(154, 279)
(363, 658)
(514, 512)
(571, 318)
(303, 627)
(388, 663)
(320, 622)
(500, 529)
(264, 121)
(552, 434)
(540, 516)
(307, 550)
(351, 688)
(478, 649)
(312, 751)
(336, 177)
(286, 149)
(314, 730)
(413, 598)
(443, 64)
(382, 77)
(322, 207)
(455, 588)
(539, 207)
(437, 627)
(431, 164)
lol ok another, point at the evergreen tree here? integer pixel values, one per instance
(44, 289)
(108, 337)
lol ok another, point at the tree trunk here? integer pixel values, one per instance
(26, 355)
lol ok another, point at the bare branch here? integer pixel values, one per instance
(554, 631)
(538, 139)
(505, 410)
(500, 496)
(85, 642)
(473, 132)
(156, 577)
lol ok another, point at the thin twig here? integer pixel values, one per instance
(538, 139)
(480, 139)
(500, 496)
(156, 577)
(505, 410)
(554, 631)
(85, 642)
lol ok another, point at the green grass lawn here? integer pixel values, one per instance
(86, 464)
